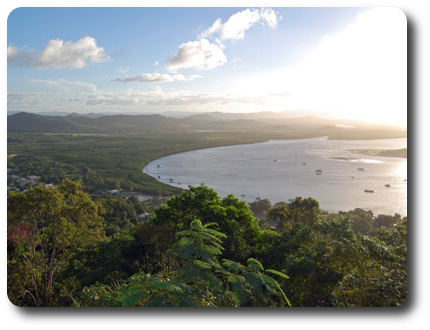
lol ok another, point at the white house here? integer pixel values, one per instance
(143, 217)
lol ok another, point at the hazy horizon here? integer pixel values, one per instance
(346, 63)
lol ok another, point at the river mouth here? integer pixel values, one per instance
(283, 170)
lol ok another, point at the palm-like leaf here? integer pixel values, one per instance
(250, 284)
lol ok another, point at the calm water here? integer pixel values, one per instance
(282, 170)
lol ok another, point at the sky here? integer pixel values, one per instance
(341, 62)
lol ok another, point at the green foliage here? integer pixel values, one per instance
(199, 281)
(154, 291)
(278, 217)
(251, 286)
(198, 250)
(232, 216)
(45, 227)
(199, 242)
(260, 207)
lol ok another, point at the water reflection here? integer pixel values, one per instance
(249, 171)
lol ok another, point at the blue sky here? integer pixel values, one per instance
(350, 62)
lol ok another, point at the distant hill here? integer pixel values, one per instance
(32, 123)
(215, 121)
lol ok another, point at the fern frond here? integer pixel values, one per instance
(275, 272)
(132, 296)
(233, 266)
(254, 265)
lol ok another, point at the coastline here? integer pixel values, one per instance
(251, 193)
(398, 153)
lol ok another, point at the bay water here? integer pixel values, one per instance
(283, 169)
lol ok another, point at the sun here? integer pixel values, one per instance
(359, 73)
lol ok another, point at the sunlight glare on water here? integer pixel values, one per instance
(282, 170)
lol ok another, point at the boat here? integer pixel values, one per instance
(319, 170)
(352, 177)
(158, 177)
(275, 160)
(303, 163)
(243, 195)
(158, 165)
(360, 169)
(171, 180)
(388, 185)
(258, 198)
(318, 173)
(368, 190)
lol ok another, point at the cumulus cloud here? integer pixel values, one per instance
(200, 55)
(20, 56)
(58, 54)
(238, 23)
(158, 97)
(203, 54)
(62, 95)
(64, 85)
(359, 72)
(157, 78)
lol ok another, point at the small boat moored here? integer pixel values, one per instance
(368, 190)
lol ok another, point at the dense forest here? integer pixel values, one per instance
(82, 233)
(67, 248)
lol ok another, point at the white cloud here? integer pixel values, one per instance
(158, 98)
(358, 73)
(204, 55)
(123, 70)
(20, 56)
(66, 96)
(64, 85)
(59, 54)
(157, 78)
(200, 55)
(238, 23)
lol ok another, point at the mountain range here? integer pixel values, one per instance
(214, 121)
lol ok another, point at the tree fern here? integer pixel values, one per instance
(250, 284)
(147, 290)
